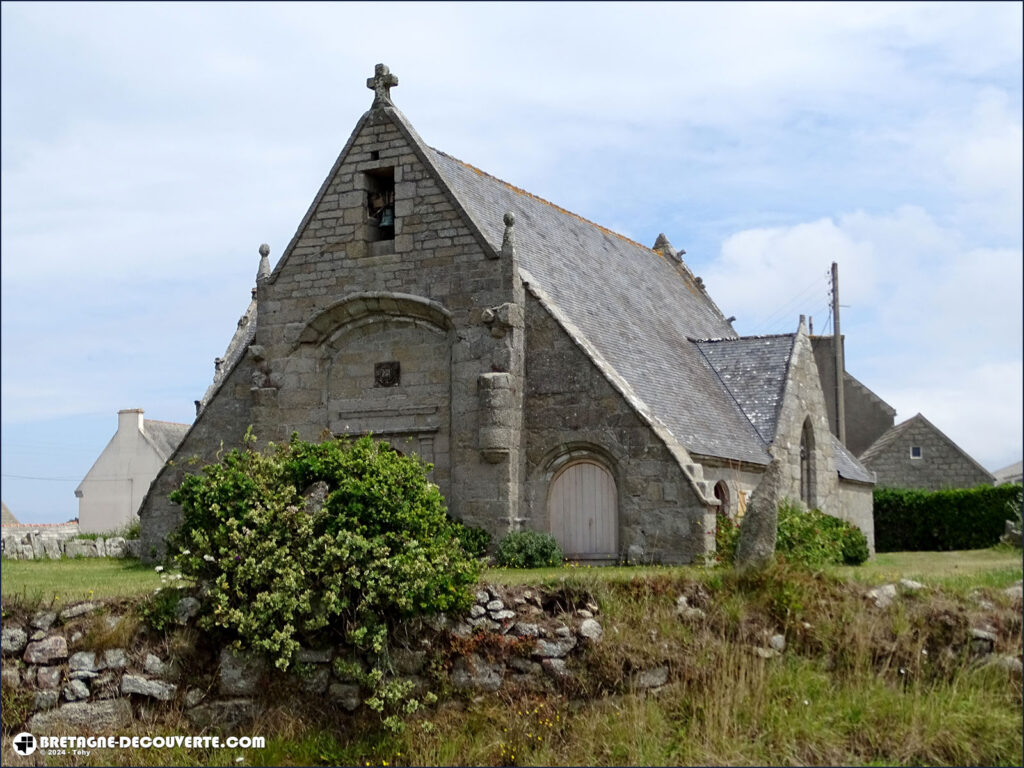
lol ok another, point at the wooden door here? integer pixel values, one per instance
(583, 511)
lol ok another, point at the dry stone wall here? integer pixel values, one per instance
(513, 638)
(527, 638)
(37, 544)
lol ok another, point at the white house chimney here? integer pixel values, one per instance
(129, 420)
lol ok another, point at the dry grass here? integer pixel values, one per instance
(857, 685)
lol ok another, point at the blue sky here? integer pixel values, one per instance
(148, 149)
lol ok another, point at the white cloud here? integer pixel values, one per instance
(148, 149)
(931, 325)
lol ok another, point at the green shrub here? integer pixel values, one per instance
(158, 610)
(807, 537)
(475, 540)
(937, 521)
(727, 537)
(279, 573)
(528, 549)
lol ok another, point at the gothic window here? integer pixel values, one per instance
(808, 465)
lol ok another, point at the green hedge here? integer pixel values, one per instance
(937, 521)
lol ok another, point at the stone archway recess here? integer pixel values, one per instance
(583, 511)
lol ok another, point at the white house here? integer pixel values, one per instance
(110, 494)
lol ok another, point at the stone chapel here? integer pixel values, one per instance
(559, 376)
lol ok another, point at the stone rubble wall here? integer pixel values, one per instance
(39, 543)
(85, 689)
(543, 636)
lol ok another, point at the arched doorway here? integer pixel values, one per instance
(583, 511)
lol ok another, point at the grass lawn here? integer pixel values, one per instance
(67, 581)
(964, 569)
(81, 579)
(994, 567)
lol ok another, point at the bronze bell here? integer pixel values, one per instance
(387, 217)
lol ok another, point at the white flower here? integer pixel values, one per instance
(186, 551)
(159, 568)
(209, 558)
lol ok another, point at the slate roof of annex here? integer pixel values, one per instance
(634, 306)
(164, 436)
(753, 369)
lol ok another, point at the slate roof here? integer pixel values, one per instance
(630, 303)
(164, 436)
(848, 466)
(245, 333)
(753, 369)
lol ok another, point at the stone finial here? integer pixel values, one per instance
(508, 241)
(665, 248)
(381, 84)
(264, 270)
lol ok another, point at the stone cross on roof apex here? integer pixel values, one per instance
(381, 84)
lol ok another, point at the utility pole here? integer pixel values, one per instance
(840, 367)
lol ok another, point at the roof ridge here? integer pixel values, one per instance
(538, 198)
(162, 421)
(745, 338)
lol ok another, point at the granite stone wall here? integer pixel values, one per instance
(858, 508)
(220, 427)
(803, 400)
(942, 463)
(346, 309)
(572, 412)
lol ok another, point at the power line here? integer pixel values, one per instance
(789, 306)
(49, 479)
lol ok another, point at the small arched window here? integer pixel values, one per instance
(722, 494)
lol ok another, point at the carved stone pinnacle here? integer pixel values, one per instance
(264, 249)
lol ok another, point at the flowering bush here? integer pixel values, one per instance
(309, 544)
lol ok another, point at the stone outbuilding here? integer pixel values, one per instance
(916, 454)
(559, 376)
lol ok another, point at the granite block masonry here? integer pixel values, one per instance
(549, 369)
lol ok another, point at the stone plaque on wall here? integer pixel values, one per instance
(386, 374)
